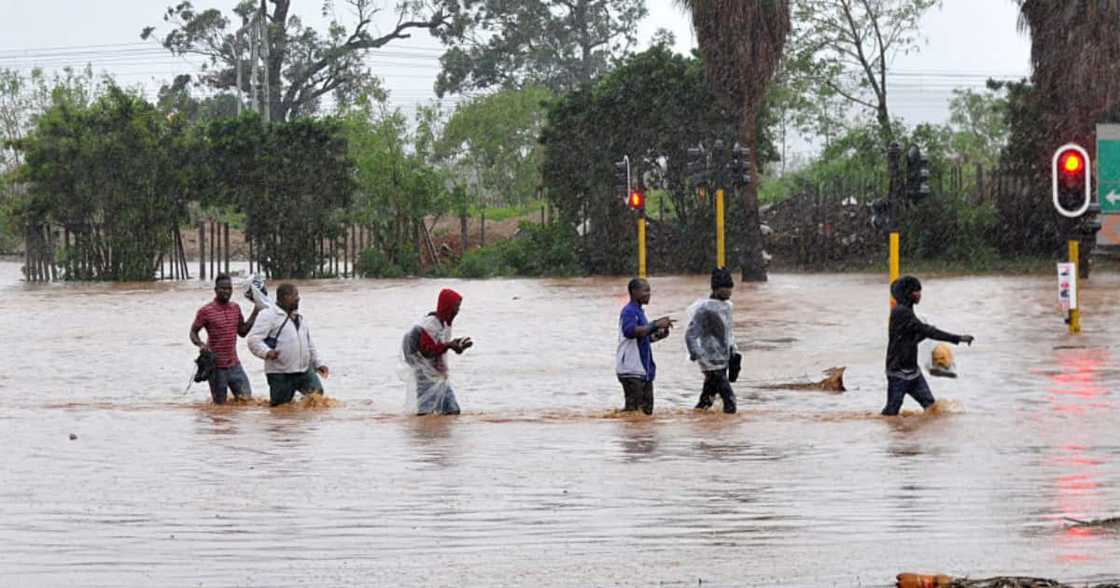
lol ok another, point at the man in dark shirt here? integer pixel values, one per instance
(906, 331)
(224, 323)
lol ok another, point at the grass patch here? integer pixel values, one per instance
(532, 207)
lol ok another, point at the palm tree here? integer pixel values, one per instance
(741, 43)
(1075, 57)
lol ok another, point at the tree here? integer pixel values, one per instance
(177, 98)
(1075, 54)
(492, 143)
(652, 107)
(293, 180)
(1075, 57)
(112, 173)
(395, 187)
(741, 45)
(978, 125)
(845, 47)
(302, 65)
(557, 44)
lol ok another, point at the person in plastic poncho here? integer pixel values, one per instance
(425, 348)
(906, 331)
(711, 342)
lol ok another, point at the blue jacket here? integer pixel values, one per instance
(634, 358)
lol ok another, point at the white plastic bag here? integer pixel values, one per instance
(258, 293)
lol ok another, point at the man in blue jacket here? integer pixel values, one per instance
(634, 360)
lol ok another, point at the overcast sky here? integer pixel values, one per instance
(966, 41)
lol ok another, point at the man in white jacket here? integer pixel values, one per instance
(282, 338)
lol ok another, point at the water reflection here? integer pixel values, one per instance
(432, 438)
(639, 436)
(1076, 393)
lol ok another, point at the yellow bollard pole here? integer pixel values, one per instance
(894, 264)
(721, 249)
(642, 245)
(1075, 313)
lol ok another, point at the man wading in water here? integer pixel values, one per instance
(224, 323)
(906, 331)
(634, 364)
(711, 342)
(425, 348)
(282, 338)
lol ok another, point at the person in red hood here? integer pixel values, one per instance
(425, 348)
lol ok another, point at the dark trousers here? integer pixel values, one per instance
(715, 382)
(898, 388)
(282, 388)
(222, 381)
(639, 394)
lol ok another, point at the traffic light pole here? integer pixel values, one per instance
(721, 246)
(894, 268)
(894, 241)
(642, 244)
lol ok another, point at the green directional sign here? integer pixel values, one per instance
(1108, 168)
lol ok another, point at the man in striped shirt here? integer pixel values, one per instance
(224, 323)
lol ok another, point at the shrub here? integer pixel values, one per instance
(537, 250)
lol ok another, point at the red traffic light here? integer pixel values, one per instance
(1071, 162)
(637, 200)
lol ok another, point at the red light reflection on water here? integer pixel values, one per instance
(1076, 391)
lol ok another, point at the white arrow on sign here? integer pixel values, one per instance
(1112, 197)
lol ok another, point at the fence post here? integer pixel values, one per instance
(226, 230)
(202, 250)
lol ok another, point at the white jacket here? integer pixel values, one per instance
(297, 352)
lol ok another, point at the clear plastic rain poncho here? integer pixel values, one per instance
(710, 339)
(426, 380)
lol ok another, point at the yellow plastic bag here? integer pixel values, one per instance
(941, 362)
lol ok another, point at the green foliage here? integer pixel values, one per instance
(537, 250)
(653, 106)
(949, 227)
(841, 51)
(491, 144)
(177, 98)
(113, 172)
(979, 125)
(395, 188)
(373, 263)
(507, 212)
(557, 44)
(289, 178)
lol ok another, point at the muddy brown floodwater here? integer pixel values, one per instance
(540, 482)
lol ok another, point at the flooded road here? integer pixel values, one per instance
(540, 482)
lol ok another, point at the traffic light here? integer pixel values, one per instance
(622, 177)
(637, 199)
(697, 167)
(917, 174)
(880, 214)
(1071, 179)
(738, 167)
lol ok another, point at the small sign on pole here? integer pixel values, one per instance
(1067, 286)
